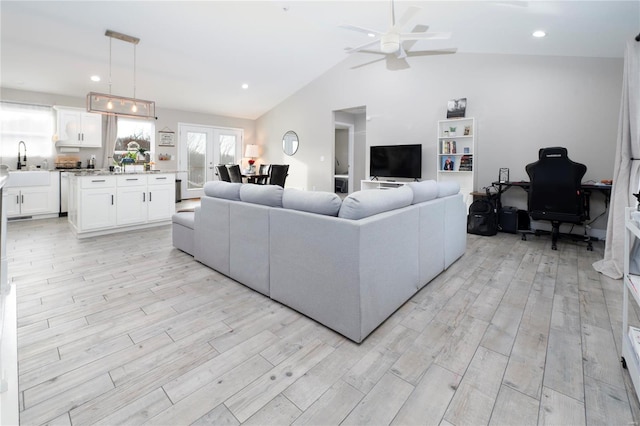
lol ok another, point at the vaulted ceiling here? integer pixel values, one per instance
(195, 55)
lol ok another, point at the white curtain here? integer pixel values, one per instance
(110, 135)
(626, 173)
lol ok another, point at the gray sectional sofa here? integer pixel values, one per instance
(348, 264)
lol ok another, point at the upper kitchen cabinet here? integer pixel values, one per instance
(78, 128)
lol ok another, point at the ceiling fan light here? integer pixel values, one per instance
(390, 43)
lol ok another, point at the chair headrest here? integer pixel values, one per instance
(552, 152)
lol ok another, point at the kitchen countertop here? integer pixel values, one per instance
(100, 172)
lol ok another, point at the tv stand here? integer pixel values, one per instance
(380, 184)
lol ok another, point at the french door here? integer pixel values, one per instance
(201, 148)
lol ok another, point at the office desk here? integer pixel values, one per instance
(587, 188)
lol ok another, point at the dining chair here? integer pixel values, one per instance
(264, 169)
(234, 173)
(223, 173)
(278, 174)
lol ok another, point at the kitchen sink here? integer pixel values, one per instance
(28, 178)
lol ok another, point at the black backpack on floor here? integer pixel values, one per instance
(483, 216)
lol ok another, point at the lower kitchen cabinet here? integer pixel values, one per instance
(28, 201)
(116, 203)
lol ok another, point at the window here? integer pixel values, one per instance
(32, 124)
(133, 135)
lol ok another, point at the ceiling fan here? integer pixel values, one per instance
(396, 44)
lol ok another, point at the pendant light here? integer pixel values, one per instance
(109, 104)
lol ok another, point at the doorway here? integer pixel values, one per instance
(201, 148)
(350, 132)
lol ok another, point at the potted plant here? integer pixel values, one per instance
(141, 154)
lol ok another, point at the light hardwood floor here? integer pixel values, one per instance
(125, 329)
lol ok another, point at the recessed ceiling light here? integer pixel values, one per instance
(245, 86)
(95, 78)
(539, 34)
(372, 35)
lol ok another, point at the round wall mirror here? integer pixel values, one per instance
(290, 142)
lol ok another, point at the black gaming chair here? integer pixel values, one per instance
(555, 192)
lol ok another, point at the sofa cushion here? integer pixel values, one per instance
(185, 219)
(267, 195)
(326, 203)
(220, 189)
(448, 188)
(426, 190)
(366, 203)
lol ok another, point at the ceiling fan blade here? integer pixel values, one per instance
(406, 17)
(401, 52)
(396, 64)
(425, 36)
(447, 51)
(360, 29)
(363, 46)
(367, 63)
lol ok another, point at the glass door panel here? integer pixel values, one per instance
(201, 148)
(196, 159)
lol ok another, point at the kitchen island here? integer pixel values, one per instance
(103, 202)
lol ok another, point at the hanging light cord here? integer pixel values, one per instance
(134, 71)
(110, 40)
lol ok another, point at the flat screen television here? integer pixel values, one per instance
(400, 161)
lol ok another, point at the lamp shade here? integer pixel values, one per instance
(252, 151)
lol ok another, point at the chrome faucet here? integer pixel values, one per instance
(24, 158)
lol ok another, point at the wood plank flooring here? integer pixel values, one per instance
(125, 329)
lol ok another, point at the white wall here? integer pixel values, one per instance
(166, 118)
(521, 103)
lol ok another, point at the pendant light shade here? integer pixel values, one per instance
(103, 103)
(109, 104)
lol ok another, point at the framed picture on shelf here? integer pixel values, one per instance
(456, 108)
(448, 163)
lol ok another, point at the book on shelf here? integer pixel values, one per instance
(466, 163)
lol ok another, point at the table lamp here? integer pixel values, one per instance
(251, 151)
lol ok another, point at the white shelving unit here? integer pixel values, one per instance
(630, 350)
(457, 153)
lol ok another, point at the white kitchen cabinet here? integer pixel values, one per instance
(161, 197)
(29, 201)
(131, 199)
(103, 204)
(97, 208)
(96, 200)
(78, 128)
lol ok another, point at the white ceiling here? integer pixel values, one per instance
(195, 55)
